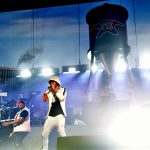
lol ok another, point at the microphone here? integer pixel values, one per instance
(49, 88)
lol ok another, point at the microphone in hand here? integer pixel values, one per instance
(45, 97)
(52, 90)
(49, 88)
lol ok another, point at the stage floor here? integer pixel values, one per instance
(75, 136)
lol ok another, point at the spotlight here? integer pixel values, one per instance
(121, 65)
(25, 73)
(94, 68)
(72, 70)
(75, 68)
(89, 55)
(46, 72)
(3, 94)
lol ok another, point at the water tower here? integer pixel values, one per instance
(108, 35)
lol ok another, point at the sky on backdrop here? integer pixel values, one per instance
(56, 34)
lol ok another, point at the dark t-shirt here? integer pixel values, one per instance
(56, 109)
(24, 114)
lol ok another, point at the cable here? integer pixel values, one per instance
(136, 38)
(43, 27)
(36, 44)
(33, 38)
(79, 32)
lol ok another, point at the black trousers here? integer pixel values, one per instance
(18, 138)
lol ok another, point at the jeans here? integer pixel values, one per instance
(18, 138)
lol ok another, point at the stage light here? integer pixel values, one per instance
(35, 72)
(72, 70)
(46, 72)
(121, 65)
(75, 68)
(25, 73)
(89, 54)
(94, 68)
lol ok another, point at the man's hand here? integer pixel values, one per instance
(45, 97)
(5, 124)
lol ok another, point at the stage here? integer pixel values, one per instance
(79, 137)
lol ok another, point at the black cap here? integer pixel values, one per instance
(22, 101)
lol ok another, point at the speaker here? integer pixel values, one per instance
(82, 143)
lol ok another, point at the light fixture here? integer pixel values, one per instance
(121, 65)
(94, 68)
(72, 70)
(75, 68)
(46, 72)
(25, 73)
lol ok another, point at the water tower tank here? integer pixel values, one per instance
(108, 34)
